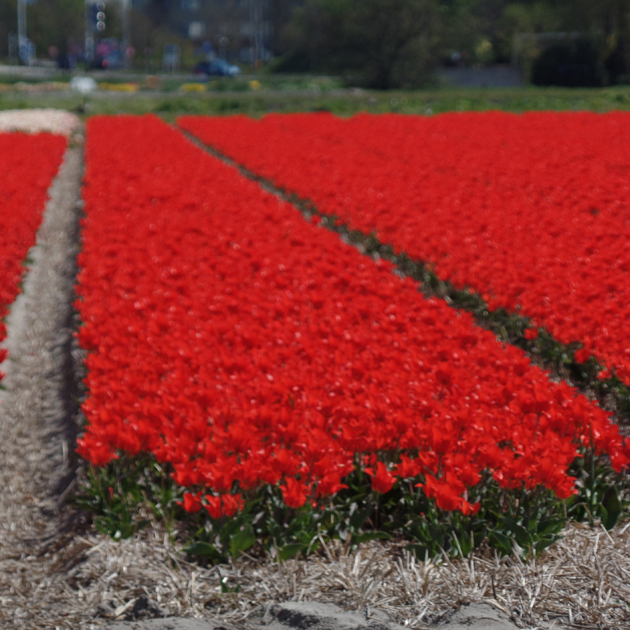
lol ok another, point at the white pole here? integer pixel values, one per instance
(23, 52)
(126, 38)
(256, 38)
(252, 32)
(89, 34)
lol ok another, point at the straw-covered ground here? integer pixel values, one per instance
(56, 571)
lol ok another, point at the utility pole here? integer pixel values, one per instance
(89, 34)
(23, 48)
(256, 35)
(126, 33)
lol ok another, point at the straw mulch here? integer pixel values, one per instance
(583, 581)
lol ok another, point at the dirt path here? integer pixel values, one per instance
(36, 434)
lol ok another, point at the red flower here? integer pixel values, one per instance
(469, 509)
(232, 503)
(224, 505)
(192, 502)
(330, 484)
(213, 506)
(240, 345)
(518, 218)
(530, 333)
(293, 493)
(582, 355)
(446, 496)
(29, 164)
(407, 469)
(382, 480)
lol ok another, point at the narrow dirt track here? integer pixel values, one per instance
(36, 423)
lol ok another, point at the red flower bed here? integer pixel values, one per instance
(246, 346)
(29, 162)
(530, 211)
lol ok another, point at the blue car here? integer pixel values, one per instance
(217, 68)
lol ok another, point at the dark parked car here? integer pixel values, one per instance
(217, 68)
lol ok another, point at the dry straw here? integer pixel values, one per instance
(88, 580)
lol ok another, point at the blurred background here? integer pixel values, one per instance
(377, 44)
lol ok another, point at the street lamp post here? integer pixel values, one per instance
(255, 17)
(23, 48)
(89, 33)
(126, 35)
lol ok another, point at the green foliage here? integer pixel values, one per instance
(128, 494)
(375, 43)
(56, 23)
(572, 63)
(517, 520)
(343, 103)
(357, 38)
(602, 495)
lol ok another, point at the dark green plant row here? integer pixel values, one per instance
(131, 493)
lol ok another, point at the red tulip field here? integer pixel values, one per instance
(29, 163)
(258, 365)
(531, 211)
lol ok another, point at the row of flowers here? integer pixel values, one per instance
(530, 211)
(29, 163)
(245, 346)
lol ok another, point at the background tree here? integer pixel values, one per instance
(56, 23)
(376, 43)
(605, 24)
(280, 14)
(8, 25)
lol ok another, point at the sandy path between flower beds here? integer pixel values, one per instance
(35, 434)
(56, 571)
